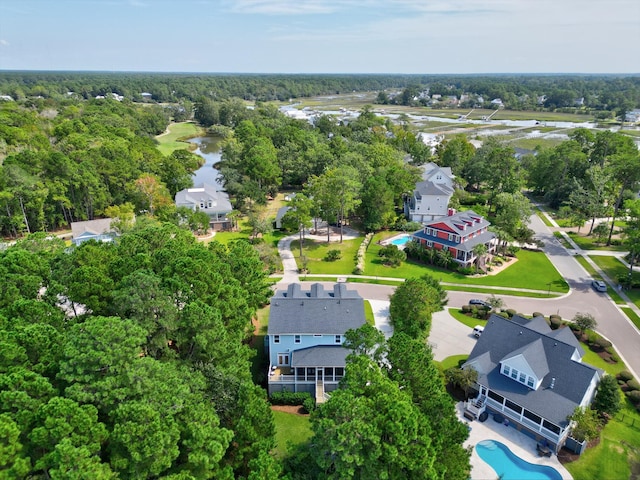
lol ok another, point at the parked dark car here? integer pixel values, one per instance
(480, 303)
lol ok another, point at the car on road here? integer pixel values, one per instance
(599, 285)
(480, 303)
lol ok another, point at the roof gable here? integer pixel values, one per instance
(315, 311)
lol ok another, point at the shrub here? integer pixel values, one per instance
(466, 309)
(289, 398)
(333, 255)
(614, 358)
(512, 250)
(511, 312)
(537, 314)
(392, 255)
(466, 270)
(556, 322)
(504, 314)
(633, 385)
(602, 343)
(362, 250)
(309, 404)
(634, 397)
(624, 375)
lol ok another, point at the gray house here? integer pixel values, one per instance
(207, 199)
(305, 335)
(99, 230)
(532, 376)
(430, 199)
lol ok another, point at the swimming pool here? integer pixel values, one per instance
(401, 240)
(509, 466)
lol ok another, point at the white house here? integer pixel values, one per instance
(99, 230)
(305, 336)
(430, 199)
(532, 376)
(207, 199)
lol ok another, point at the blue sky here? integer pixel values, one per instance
(322, 36)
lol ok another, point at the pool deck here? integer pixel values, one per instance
(520, 444)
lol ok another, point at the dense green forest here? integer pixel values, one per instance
(130, 360)
(614, 93)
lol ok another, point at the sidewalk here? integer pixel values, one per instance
(586, 253)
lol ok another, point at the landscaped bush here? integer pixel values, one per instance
(512, 250)
(634, 396)
(333, 255)
(309, 404)
(537, 314)
(289, 398)
(624, 375)
(466, 270)
(504, 314)
(511, 312)
(633, 385)
(466, 309)
(362, 250)
(602, 343)
(555, 321)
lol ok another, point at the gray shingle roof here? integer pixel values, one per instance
(192, 197)
(320, 356)
(502, 337)
(534, 354)
(431, 188)
(96, 227)
(316, 311)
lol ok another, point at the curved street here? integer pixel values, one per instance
(612, 322)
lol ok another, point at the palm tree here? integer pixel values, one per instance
(479, 251)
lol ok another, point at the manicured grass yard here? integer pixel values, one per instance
(588, 243)
(177, 131)
(614, 269)
(533, 270)
(291, 430)
(618, 453)
(452, 361)
(317, 251)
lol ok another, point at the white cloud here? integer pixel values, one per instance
(3, 42)
(283, 7)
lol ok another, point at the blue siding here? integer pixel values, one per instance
(287, 342)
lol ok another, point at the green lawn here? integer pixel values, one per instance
(544, 219)
(178, 132)
(615, 269)
(618, 453)
(596, 276)
(589, 243)
(452, 361)
(561, 238)
(368, 313)
(317, 251)
(533, 270)
(462, 318)
(633, 316)
(291, 430)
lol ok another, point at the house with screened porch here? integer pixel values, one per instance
(532, 376)
(306, 335)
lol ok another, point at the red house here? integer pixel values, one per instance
(458, 233)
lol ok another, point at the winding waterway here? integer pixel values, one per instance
(208, 147)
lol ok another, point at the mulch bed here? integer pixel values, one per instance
(567, 456)
(294, 409)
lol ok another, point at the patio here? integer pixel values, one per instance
(520, 444)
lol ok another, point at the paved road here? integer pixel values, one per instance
(612, 322)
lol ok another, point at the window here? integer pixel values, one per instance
(550, 426)
(429, 243)
(338, 339)
(276, 339)
(523, 378)
(514, 374)
(445, 248)
(317, 335)
(513, 406)
(283, 359)
(297, 338)
(530, 382)
(451, 237)
(210, 204)
(494, 396)
(532, 416)
(506, 370)
(201, 204)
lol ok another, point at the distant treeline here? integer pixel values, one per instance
(614, 93)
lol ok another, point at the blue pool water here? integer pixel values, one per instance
(509, 466)
(399, 241)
